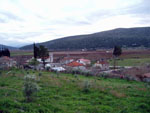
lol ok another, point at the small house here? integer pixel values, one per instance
(66, 60)
(103, 65)
(84, 61)
(6, 62)
(74, 64)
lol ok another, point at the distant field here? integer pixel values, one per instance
(131, 62)
(68, 94)
(21, 53)
(130, 57)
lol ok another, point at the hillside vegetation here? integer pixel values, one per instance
(66, 93)
(126, 37)
(9, 47)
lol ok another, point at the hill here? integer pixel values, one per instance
(126, 37)
(9, 47)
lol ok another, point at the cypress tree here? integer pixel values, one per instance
(117, 52)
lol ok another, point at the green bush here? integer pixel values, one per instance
(86, 86)
(40, 74)
(30, 87)
(105, 75)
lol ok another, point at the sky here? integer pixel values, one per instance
(24, 22)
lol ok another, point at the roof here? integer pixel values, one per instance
(102, 62)
(146, 75)
(4, 58)
(74, 64)
(67, 58)
(84, 60)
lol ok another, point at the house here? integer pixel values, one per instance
(58, 69)
(103, 65)
(6, 62)
(51, 65)
(84, 61)
(74, 64)
(146, 77)
(66, 60)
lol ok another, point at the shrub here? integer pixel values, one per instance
(13, 74)
(30, 87)
(130, 78)
(40, 74)
(146, 80)
(75, 76)
(86, 86)
(105, 75)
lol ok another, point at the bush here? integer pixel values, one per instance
(13, 74)
(86, 86)
(40, 74)
(146, 80)
(105, 75)
(130, 78)
(75, 76)
(30, 87)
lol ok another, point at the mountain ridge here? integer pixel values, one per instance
(126, 37)
(9, 47)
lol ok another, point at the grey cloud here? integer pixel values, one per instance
(139, 10)
(10, 16)
(13, 37)
(2, 21)
(71, 21)
(101, 14)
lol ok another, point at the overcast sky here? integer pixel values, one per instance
(26, 21)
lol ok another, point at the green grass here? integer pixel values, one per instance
(131, 61)
(20, 53)
(65, 94)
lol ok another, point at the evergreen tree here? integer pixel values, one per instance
(35, 51)
(116, 53)
(43, 53)
(7, 52)
(0, 53)
(4, 52)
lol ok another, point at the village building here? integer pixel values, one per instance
(146, 77)
(74, 64)
(103, 65)
(84, 61)
(66, 60)
(6, 62)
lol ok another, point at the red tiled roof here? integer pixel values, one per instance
(74, 64)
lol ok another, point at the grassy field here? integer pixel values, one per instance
(131, 61)
(66, 94)
(21, 53)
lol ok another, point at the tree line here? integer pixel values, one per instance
(4, 52)
(40, 52)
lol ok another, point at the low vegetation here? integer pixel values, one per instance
(131, 61)
(70, 94)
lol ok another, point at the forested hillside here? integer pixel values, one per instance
(126, 37)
